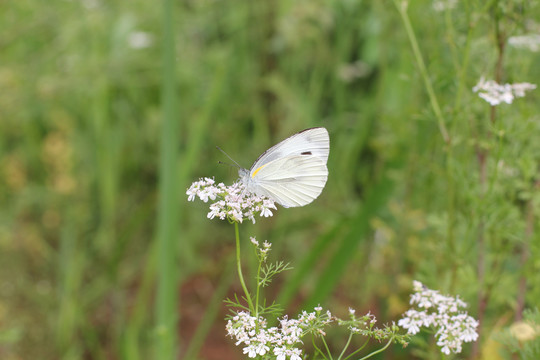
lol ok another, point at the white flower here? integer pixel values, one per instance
(282, 353)
(140, 39)
(262, 348)
(261, 250)
(495, 93)
(350, 72)
(442, 5)
(250, 350)
(454, 326)
(529, 41)
(266, 212)
(91, 4)
(233, 203)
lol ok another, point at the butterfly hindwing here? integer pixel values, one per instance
(293, 180)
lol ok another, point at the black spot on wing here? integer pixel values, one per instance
(306, 153)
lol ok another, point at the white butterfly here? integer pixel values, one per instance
(293, 172)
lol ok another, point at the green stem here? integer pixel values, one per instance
(258, 288)
(462, 70)
(346, 346)
(239, 267)
(380, 350)
(357, 350)
(402, 8)
(316, 347)
(327, 349)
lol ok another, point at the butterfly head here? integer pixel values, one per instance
(244, 175)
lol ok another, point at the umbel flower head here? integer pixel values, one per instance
(528, 41)
(232, 202)
(495, 93)
(453, 325)
(283, 341)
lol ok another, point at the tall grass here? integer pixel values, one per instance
(168, 211)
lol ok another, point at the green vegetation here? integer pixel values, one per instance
(428, 181)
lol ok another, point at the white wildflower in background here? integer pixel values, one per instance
(453, 325)
(140, 39)
(529, 42)
(442, 5)
(495, 93)
(524, 331)
(91, 4)
(350, 72)
(232, 202)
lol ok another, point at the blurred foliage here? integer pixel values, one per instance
(79, 149)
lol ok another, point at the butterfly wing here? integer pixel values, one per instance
(313, 141)
(291, 181)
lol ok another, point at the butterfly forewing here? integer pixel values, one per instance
(309, 142)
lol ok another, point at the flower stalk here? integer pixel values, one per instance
(402, 9)
(239, 268)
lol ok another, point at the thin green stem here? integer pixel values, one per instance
(346, 346)
(462, 70)
(380, 350)
(327, 349)
(402, 8)
(239, 267)
(357, 350)
(258, 289)
(316, 347)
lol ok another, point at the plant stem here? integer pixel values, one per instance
(483, 294)
(357, 350)
(346, 346)
(380, 350)
(239, 267)
(402, 8)
(258, 288)
(327, 349)
(525, 254)
(316, 347)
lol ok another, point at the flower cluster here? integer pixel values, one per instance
(262, 251)
(442, 5)
(445, 313)
(140, 40)
(365, 326)
(282, 340)
(530, 42)
(360, 325)
(495, 93)
(232, 202)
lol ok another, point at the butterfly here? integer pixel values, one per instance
(293, 172)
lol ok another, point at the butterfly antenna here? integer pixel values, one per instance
(226, 163)
(227, 155)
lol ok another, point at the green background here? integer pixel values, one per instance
(435, 186)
